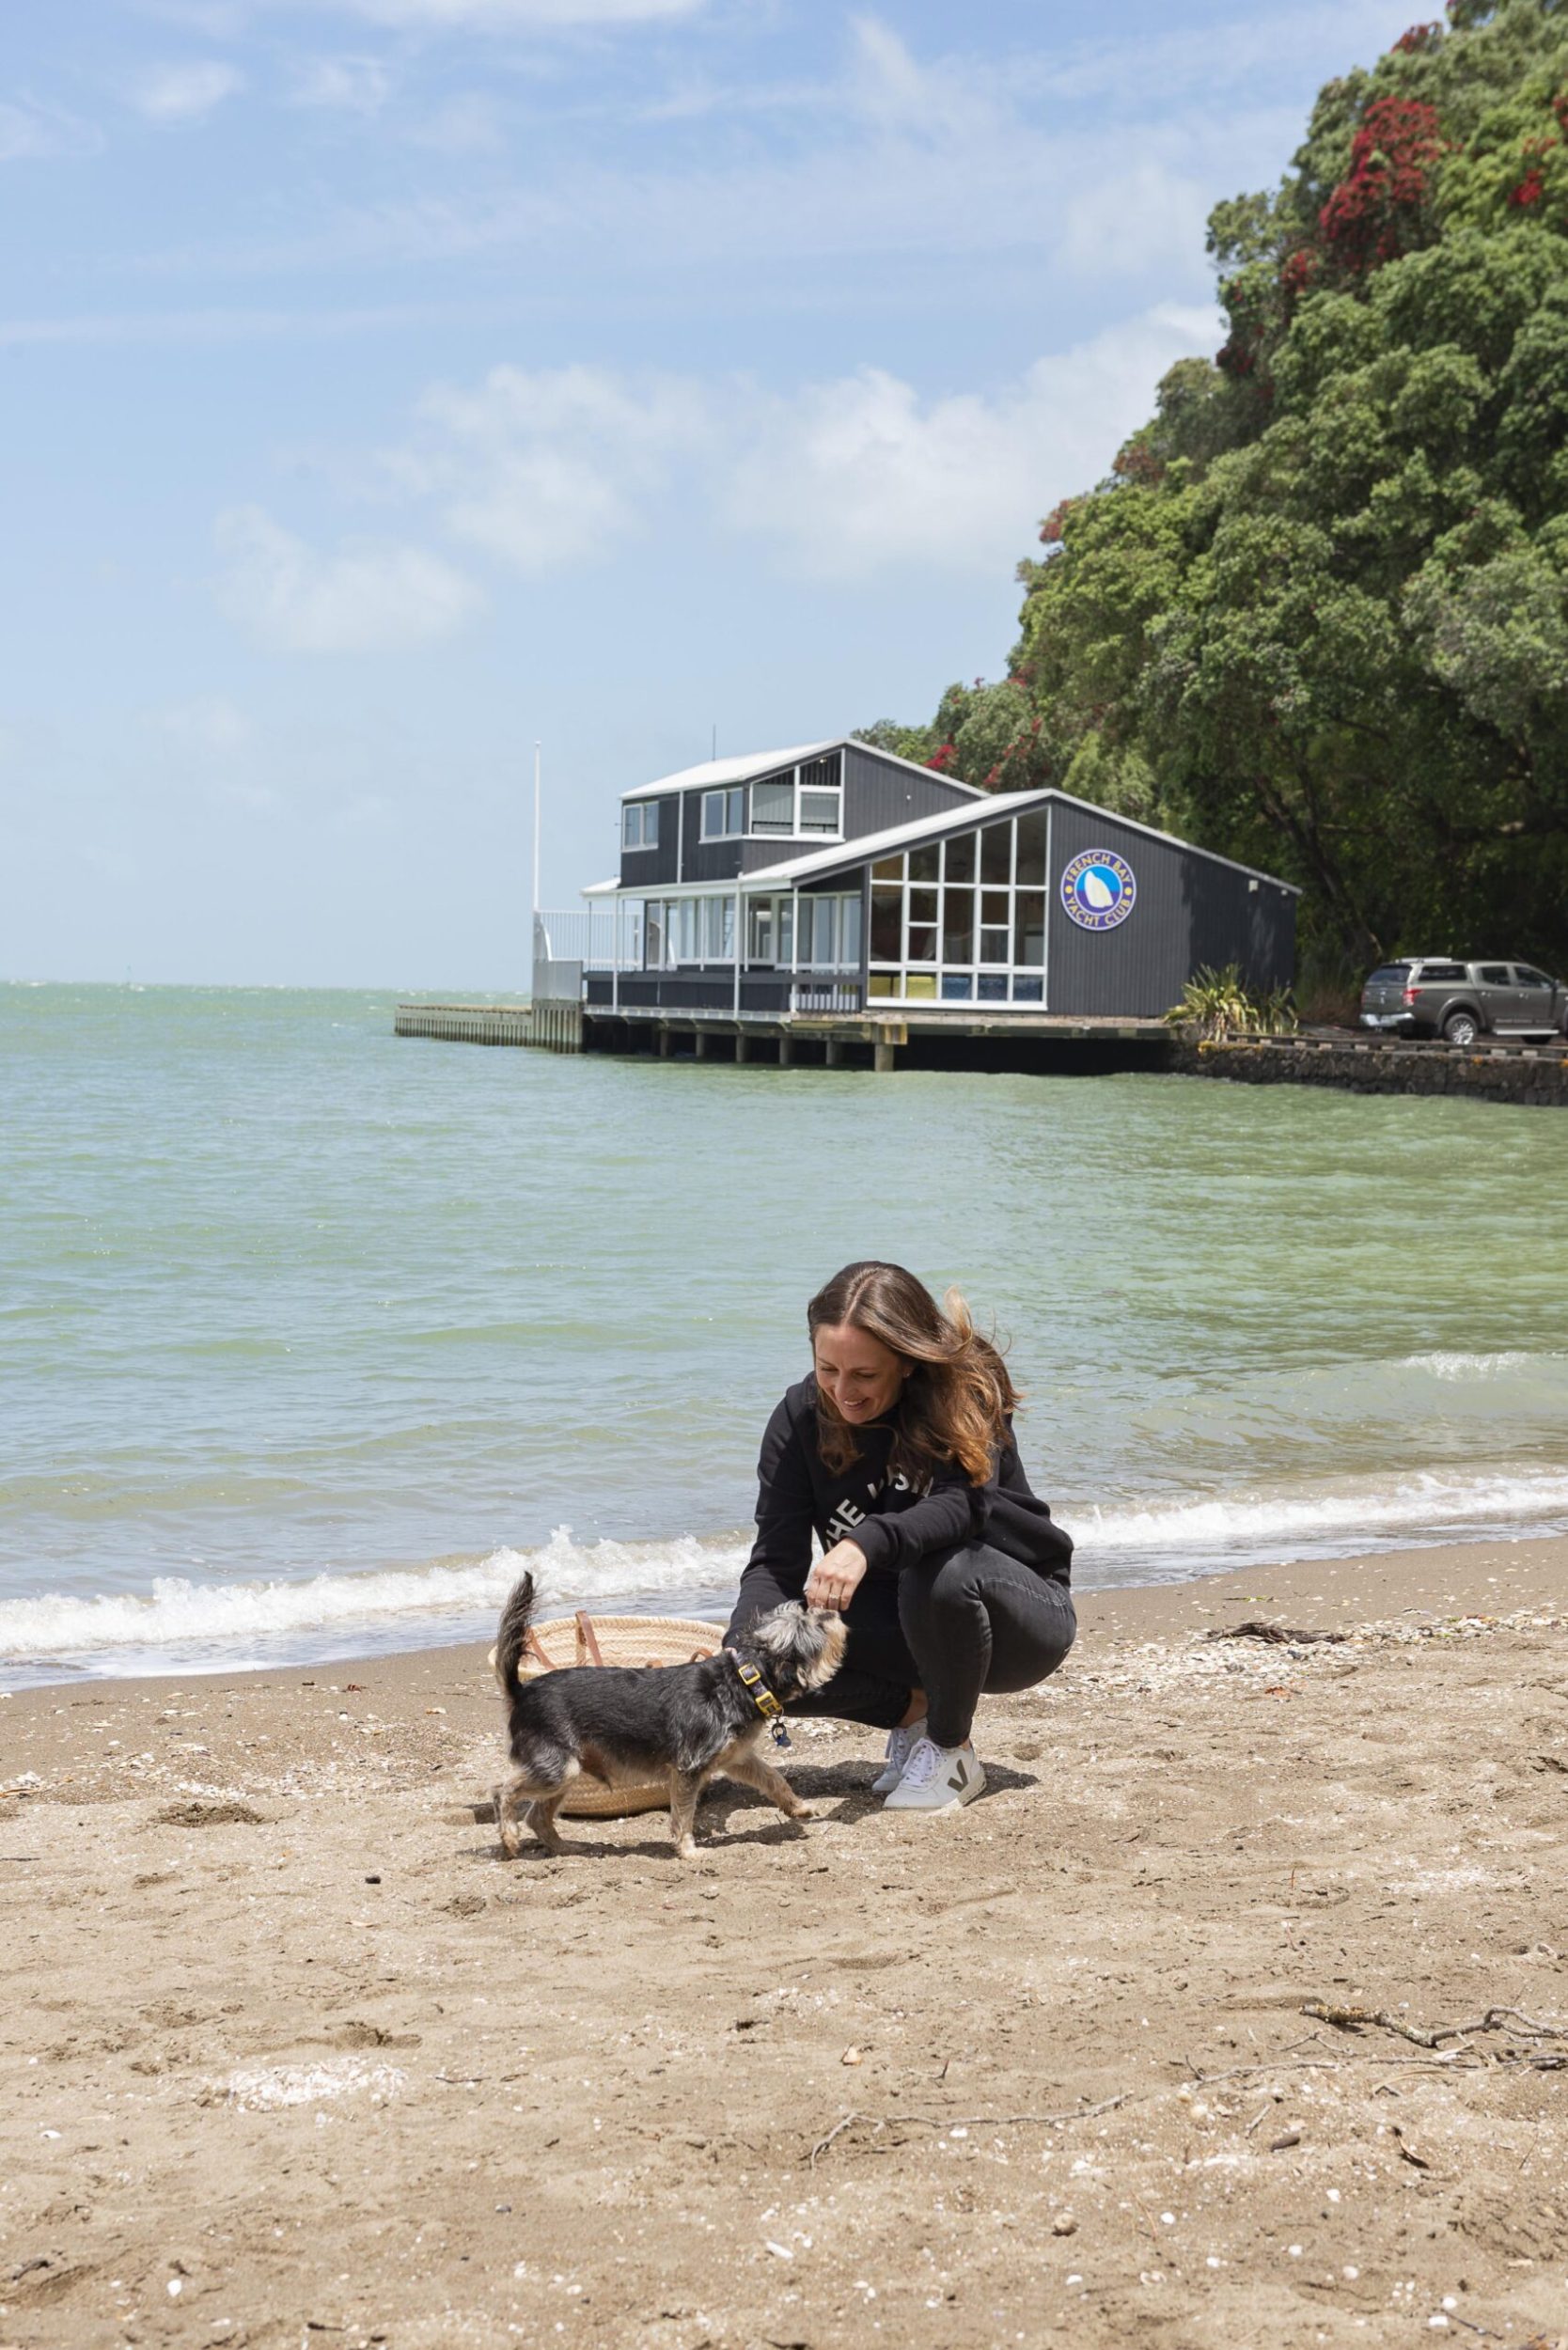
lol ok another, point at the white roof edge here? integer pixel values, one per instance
(875, 844)
(872, 845)
(601, 889)
(713, 772)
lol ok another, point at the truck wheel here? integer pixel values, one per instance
(1461, 1028)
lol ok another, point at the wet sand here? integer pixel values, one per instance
(290, 2056)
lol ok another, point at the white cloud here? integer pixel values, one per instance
(850, 476)
(366, 598)
(183, 93)
(842, 478)
(553, 467)
(29, 131)
(359, 86)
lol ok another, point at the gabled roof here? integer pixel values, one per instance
(714, 773)
(843, 856)
(818, 863)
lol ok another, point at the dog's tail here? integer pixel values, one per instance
(516, 1616)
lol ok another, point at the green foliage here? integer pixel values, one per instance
(1317, 617)
(984, 734)
(1216, 1005)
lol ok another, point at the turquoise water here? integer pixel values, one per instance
(308, 1332)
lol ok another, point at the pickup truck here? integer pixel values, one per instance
(1436, 995)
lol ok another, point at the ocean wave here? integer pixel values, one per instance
(1320, 1519)
(1460, 1366)
(180, 1625)
(175, 1614)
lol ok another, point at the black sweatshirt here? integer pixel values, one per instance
(889, 1520)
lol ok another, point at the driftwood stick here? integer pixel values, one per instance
(1354, 2018)
(1125, 2097)
(1278, 1634)
(823, 2143)
(1432, 2036)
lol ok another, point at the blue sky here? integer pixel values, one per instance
(388, 383)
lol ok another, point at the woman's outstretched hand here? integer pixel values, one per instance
(835, 1576)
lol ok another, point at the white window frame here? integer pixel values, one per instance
(797, 829)
(976, 967)
(640, 825)
(732, 817)
(834, 791)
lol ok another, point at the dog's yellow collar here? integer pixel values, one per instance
(762, 1697)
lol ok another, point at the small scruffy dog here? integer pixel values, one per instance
(628, 1724)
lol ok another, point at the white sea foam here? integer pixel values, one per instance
(1325, 1518)
(180, 1623)
(177, 1613)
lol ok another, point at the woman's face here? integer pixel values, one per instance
(860, 1376)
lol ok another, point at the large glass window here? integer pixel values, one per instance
(996, 851)
(963, 920)
(827, 933)
(773, 805)
(822, 794)
(640, 825)
(666, 932)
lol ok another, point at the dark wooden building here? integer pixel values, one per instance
(836, 878)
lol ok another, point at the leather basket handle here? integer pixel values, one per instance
(588, 1640)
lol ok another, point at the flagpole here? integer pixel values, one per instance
(534, 948)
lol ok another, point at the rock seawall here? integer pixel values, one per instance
(1536, 1074)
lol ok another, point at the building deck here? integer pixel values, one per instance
(957, 1036)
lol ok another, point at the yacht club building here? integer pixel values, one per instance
(834, 878)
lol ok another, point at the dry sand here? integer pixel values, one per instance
(288, 2057)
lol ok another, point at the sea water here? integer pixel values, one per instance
(310, 1337)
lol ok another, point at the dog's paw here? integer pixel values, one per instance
(686, 1851)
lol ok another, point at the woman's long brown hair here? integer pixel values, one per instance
(958, 1393)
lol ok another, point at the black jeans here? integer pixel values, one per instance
(959, 1623)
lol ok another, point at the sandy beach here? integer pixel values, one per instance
(288, 2056)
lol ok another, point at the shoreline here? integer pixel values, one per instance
(1437, 1572)
(291, 2054)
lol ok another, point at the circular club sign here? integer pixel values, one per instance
(1098, 890)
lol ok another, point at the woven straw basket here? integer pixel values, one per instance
(583, 1639)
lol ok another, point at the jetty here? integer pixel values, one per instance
(832, 1040)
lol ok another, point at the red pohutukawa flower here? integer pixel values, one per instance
(1375, 212)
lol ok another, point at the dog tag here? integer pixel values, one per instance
(780, 1735)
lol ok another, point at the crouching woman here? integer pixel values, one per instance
(897, 1454)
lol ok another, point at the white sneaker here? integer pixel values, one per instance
(937, 1779)
(901, 1744)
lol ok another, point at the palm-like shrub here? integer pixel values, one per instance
(1216, 1006)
